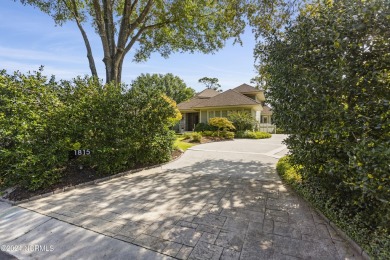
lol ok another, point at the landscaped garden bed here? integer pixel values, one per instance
(72, 176)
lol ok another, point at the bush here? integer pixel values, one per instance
(201, 127)
(242, 121)
(221, 123)
(377, 242)
(42, 120)
(252, 135)
(196, 137)
(207, 133)
(280, 131)
(329, 90)
(288, 172)
(228, 135)
(30, 141)
(187, 136)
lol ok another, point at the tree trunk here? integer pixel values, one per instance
(114, 70)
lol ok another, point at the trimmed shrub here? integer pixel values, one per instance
(252, 135)
(201, 127)
(43, 120)
(242, 121)
(196, 137)
(288, 172)
(221, 123)
(207, 133)
(228, 135)
(187, 136)
(329, 90)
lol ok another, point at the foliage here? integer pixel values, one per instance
(30, 142)
(288, 172)
(242, 120)
(179, 144)
(227, 135)
(252, 134)
(42, 120)
(187, 136)
(192, 137)
(196, 137)
(201, 127)
(160, 26)
(211, 83)
(280, 131)
(328, 83)
(207, 133)
(221, 123)
(173, 86)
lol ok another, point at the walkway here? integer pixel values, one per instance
(218, 201)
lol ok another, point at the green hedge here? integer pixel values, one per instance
(42, 120)
(328, 84)
(252, 135)
(201, 127)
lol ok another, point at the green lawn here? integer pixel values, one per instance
(180, 144)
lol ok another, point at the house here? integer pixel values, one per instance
(210, 103)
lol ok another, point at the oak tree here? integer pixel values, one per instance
(163, 26)
(168, 84)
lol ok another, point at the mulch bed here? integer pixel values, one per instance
(72, 176)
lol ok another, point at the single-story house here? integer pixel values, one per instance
(210, 103)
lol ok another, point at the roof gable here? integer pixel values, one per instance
(207, 93)
(245, 88)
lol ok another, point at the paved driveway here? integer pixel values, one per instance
(218, 201)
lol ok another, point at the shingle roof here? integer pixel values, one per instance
(189, 104)
(207, 93)
(227, 98)
(245, 88)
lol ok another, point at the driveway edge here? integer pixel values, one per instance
(90, 183)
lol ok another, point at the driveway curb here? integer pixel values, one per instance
(342, 234)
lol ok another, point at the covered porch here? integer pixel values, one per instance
(189, 121)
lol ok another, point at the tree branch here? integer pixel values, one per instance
(140, 19)
(123, 31)
(109, 24)
(76, 16)
(101, 29)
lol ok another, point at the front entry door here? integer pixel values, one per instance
(192, 120)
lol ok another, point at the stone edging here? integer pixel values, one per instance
(121, 174)
(341, 233)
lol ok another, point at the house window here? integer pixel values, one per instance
(211, 114)
(217, 113)
(265, 121)
(224, 113)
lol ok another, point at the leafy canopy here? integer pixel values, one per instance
(211, 83)
(172, 86)
(162, 26)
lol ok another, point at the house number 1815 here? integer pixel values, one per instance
(82, 152)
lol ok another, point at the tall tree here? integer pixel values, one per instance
(211, 83)
(173, 86)
(162, 26)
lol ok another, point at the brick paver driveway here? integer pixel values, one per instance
(218, 201)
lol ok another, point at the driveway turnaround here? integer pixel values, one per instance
(220, 200)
